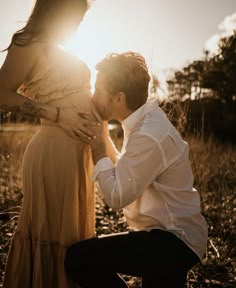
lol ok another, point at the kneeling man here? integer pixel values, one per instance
(151, 180)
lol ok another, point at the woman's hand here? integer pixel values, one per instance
(75, 124)
(97, 127)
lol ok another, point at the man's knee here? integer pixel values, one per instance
(77, 257)
(78, 263)
(71, 266)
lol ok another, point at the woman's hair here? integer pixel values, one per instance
(50, 16)
(128, 73)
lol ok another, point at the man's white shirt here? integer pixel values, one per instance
(152, 179)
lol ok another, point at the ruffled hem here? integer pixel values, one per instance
(35, 264)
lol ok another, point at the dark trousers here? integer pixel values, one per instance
(159, 257)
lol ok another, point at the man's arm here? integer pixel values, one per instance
(112, 152)
(102, 145)
(142, 162)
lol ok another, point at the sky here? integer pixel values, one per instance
(168, 33)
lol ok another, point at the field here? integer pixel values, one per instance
(214, 167)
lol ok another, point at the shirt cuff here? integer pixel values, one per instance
(103, 164)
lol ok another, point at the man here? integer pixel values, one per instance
(151, 180)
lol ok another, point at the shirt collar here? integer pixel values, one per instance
(129, 123)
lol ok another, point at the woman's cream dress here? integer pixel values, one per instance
(58, 194)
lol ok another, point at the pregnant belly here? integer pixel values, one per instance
(80, 101)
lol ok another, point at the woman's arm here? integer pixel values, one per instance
(17, 66)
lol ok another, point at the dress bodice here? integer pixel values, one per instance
(56, 75)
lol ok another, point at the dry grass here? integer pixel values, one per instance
(214, 166)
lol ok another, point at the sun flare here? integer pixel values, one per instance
(88, 45)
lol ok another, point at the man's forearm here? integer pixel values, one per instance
(99, 150)
(111, 150)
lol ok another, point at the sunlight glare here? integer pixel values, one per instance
(88, 45)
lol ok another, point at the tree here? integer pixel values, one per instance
(220, 73)
(185, 83)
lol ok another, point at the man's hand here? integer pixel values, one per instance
(100, 134)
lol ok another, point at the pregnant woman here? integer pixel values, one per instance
(39, 79)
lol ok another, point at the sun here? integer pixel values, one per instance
(88, 44)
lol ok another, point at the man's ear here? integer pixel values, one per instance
(121, 98)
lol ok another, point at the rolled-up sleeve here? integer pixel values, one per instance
(137, 168)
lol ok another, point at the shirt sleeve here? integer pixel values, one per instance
(102, 165)
(137, 168)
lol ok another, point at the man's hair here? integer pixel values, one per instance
(128, 73)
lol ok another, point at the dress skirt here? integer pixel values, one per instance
(57, 210)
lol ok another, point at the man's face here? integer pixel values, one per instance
(103, 99)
